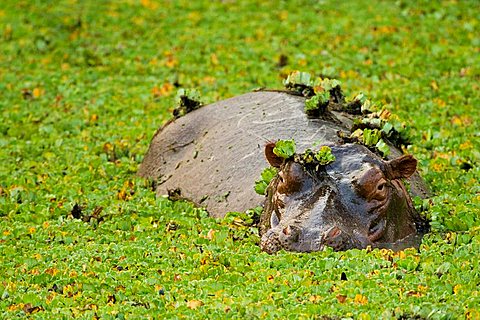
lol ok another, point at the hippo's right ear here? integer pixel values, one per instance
(402, 167)
(272, 158)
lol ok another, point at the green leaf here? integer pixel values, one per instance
(266, 176)
(387, 128)
(367, 106)
(191, 94)
(327, 84)
(260, 187)
(298, 78)
(285, 148)
(358, 134)
(325, 156)
(372, 122)
(187, 101)
(371, 137)
(361, 97)
(248, 217)
(317, 104)
(383, 147)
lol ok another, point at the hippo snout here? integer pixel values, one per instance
(281, 237)
(294, 238)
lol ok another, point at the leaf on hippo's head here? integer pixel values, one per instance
(307, 157)
(372, 123)
(285, 148)
(267, 175)
(359, 96)
(357, 134)
(367, 106)
(300, 82)
(325, 156)
(320, 158)
(260, 187)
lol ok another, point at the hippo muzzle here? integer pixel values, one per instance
(310, 231)
(296, 239)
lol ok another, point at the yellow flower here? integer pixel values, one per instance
(194, 304)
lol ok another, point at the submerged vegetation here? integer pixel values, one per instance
(85, 84)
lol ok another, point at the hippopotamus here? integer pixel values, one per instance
(213, 155)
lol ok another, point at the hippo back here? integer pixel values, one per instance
(213, 155)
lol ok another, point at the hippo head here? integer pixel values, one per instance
(358, 200)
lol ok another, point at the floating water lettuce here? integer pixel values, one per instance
(383, 147)
(361, 103)
(326, 84)
(332, 86)
(325, 156)
(266, 176)
(187, 101)
(387, 128)
(296, 79)
(242, 219)
(285, 148)
(361, 97)
(320, 158)
(371, 138)
(305, 84)
(372, 123)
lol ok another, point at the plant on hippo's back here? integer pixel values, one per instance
(322, 157)
(371, 138)
(187, 101)
(318, 91)
(317, 104)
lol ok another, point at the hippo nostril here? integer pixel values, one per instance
(337, 239)
(333, 233)
(290, 234)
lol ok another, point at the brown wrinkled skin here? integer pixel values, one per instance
(213, 156)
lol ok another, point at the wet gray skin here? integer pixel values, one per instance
(357, 201)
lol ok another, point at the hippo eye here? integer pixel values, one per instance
(381, 191)
(372, 185)
(381, 185)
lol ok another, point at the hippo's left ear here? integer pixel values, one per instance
(402, 167)
(272, 158)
